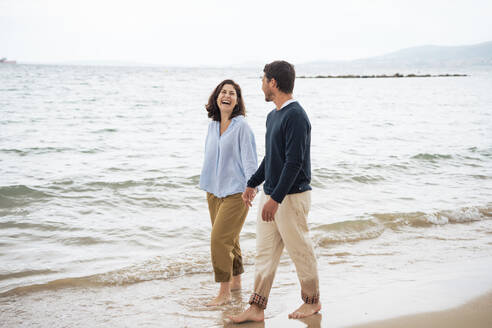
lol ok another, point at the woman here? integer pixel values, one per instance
(230, 160)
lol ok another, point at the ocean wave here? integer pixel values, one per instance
(422, 219)
(14, 151)
(105, 130)
(37, 226)
(25, 273)
(346, 231)
(83, 241)
(91, 151)
(19, 195)
(373, 227)
(20, 190)
(146, 192)
(481, 177)
(464, 215)
(322, 175)
(159, 268)
(165, 182)
(36, 150)
(367, 178)
(116, 184)
(431, 157)
(487, 152)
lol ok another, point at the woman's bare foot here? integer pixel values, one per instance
(221, 299)
(236, 283)
(253, 313)
(224, 296)
(305, 310)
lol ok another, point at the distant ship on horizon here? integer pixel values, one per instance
(5, 61)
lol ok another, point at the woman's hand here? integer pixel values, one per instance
(248, 196)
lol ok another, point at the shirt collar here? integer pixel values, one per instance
(288, 102)
(234, 121)
(237, 118)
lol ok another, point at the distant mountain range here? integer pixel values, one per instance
(424, 57)
(478, 54)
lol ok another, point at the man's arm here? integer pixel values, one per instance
(258, 177)
(296, 136)
(297, 131)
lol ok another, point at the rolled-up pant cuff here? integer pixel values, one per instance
(310, 299)
(258, 300)
(222, 276)
(238, 271)
(237, 265)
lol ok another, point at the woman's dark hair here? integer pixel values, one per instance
(283, 72)
(212, 107)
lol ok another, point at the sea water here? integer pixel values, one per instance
(102, 222)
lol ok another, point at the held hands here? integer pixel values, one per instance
(248, 196)
(269, 210)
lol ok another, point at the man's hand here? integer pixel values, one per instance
(269, 210)
(248, 196)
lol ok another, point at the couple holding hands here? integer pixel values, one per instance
(230, 176)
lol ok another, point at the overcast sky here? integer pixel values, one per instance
(216, 32)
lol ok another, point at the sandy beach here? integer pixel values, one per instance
(464, 300)
(445, 297)
(476, 313)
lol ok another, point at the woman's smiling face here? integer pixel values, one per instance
(227, 98)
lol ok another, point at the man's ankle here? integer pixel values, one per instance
(256, 308)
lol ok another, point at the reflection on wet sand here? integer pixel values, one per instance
(281, 320)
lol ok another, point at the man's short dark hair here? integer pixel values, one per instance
(283, 72)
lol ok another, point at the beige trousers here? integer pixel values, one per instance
(227, 215)
(289, 229)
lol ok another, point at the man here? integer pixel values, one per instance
(285, 203)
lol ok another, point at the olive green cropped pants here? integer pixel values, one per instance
(227, 215)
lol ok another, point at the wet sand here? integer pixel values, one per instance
(463, 298)
(150, 304)
(476, 313)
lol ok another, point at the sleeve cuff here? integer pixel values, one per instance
(251, 184)
(277, 198)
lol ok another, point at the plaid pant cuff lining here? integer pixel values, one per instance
(310, 299)
(259, 300)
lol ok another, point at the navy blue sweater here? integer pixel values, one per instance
(286, 167)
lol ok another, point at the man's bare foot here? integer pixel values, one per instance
(236, 283)
(253, 313)
(221, 299)
(305, 310)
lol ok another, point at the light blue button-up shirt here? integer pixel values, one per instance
(230, 159)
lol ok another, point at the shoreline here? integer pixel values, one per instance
(436, 292)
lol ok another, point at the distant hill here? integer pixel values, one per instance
(428, 57)
(478, 54)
